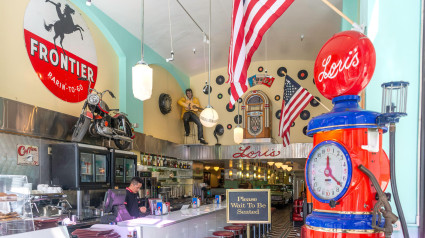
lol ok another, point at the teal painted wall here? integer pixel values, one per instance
(351, 9)
(128, 49)
(394, 29)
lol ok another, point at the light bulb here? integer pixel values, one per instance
(209, 117)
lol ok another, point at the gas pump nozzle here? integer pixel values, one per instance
(386, 211)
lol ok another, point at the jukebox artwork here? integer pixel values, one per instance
(256, 113)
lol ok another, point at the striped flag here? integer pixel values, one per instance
(250, 20)
(295, 99)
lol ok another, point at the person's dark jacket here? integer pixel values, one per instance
(133, 203)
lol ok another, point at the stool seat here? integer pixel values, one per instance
(223, 233)
(236, 229)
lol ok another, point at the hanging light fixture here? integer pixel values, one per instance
(289, 169)
(142, 73)
(209, 116)
(278, 164)
(88, 3)
(207, 167)
(230, 173)
(285, 166)
(216, 168)
(271, 163)
(238, 131)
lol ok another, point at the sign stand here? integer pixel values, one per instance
(248, 230)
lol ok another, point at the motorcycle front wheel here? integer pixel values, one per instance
(80, 128)
(122, 144)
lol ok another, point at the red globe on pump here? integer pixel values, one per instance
(345, 64)
(345, 138)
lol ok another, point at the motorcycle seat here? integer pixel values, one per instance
(115, 109)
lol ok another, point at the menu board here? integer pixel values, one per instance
(248, 206)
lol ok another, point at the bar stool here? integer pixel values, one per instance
(237, 230)
(240, 224)
(223, 234)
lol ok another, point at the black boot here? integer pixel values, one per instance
(203, 141)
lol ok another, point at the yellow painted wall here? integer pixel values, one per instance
(19, 81)
(170, 126)
(198, 82)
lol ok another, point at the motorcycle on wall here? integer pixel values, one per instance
(95, 117)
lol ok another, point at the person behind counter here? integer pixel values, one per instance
(133, 203)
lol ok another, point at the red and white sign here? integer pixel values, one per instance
(345, 64)
(27, 155)
(248, 153)
(60, 48)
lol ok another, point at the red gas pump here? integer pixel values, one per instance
(347, 169)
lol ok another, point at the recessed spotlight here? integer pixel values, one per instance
(88, 3)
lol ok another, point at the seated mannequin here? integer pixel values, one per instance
(190, 106)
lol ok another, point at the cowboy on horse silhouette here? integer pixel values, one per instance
(65, 25)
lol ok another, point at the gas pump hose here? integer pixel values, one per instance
(390, 217)
(394, 183)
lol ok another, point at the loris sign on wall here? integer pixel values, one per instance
(60, 48)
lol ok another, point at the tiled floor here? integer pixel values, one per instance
(282, 226)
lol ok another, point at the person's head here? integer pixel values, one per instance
(135, 184)
(189, 93)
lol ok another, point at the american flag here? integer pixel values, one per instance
(295, 99)
(250, 20)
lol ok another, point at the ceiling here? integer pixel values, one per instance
(311, 19)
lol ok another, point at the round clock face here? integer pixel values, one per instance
(329, 171)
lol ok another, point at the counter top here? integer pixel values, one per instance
(173, 217)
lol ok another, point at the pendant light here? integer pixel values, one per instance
(238, 131)
(142, 73)
(209, 116)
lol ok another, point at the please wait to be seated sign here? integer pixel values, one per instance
(248, 206)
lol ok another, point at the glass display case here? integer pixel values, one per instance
(124, 167)
(80, 166)
(15, 205)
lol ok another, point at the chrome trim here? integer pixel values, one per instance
(350, 231)
(343, 212)
(92, 147)
(124, 152)
(342, 125)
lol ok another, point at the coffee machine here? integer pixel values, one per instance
(149, 187)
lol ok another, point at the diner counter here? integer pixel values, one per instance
(173, 217)
(189, 223)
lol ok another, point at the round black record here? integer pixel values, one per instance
(228, 108)
(228, 91)
(219, 96)
(282, 71)
(305, 130)
(260, 69)
(229, 126)
(293, 124)
(278, 114)
(220, 79)
(305, 115)
(238, 119)
(302, 74)
(277, 97)
(315, 102)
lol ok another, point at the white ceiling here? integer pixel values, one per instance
(310, 18)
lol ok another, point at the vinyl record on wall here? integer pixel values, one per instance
(220, 79)
(305, 130)
(315, 102)
(238, 119)
(219, 96)
(228, 91)
(314, 82)
(305, 115)
(302, 74)
(277, 97)
(282, 71)
(278, 114)
(205, 89)
(240, 100)
(229, 126)
(293, 124)
(228, 108)
(260, 69)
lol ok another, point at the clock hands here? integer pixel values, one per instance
(328, 171)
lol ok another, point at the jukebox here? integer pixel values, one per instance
(256, 112)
